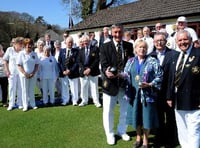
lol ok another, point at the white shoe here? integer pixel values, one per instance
(75, 104)
(35, 107)
(111, 140)
(63, 104)
(20, 107)
(9, 108)
(25, 109)
(124, 137)
(82, 104)
(98, 105)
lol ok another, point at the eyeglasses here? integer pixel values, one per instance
(160, 41)
(158, 26)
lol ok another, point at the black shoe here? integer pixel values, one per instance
(5, 105)
(145, 146)
(137, 144)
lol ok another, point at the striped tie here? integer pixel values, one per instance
(179, 70)
(67, 59)
(119, 57)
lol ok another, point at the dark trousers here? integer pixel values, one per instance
(167, 131)
(4, 88)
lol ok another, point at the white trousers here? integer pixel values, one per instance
(14, 89)
(73, 83)
(39, 86)
(65, 89)
(89, 82)
(28, 95)
(188, 124)
(48, 86)
(109, 103)
(58, 85)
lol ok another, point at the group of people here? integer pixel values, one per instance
(48, 66)
(156, 86)
(161, 88)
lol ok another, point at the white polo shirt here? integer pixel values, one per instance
(11, 56)
(27, 61)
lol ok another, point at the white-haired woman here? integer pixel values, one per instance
(40, 54)
(47, 75)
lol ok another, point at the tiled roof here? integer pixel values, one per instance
(140, 11)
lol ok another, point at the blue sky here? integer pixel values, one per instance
(53, 11)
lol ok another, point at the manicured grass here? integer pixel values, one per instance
(58, 127)
(55, 127)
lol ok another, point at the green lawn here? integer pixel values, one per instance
(57, 127)
(54, 127)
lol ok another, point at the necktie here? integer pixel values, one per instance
(67, 58)
(119, 57)
(179, 70)
(86, 56)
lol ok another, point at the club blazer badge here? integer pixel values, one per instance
(191, 58)
(195, 69)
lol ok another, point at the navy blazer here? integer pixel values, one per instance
(93, 61)
(72, 65)
(108, 57)
(165, 67)
(187, 96)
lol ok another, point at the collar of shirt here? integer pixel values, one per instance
(189, 50)
(68, 50)
(87, 50)
(161, 52)
(115, 43)
(187, 53)
(161, 55)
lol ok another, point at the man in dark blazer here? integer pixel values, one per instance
(50, 43)
(184, 90)
(89, 71)
(113, 83)
(69, 72)
(166, 133)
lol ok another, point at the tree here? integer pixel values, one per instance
(13, 24)
(87, 6)
(102, 4)
(27, 17)
(40, 20)
(83, 8)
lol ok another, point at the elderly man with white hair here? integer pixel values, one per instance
(89, 71)
(69, 72)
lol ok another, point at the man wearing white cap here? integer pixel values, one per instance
(182, 25)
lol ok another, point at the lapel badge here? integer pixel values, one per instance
(195, 69)
(187, 65)
(105, 84)
(168, 44)
(125, 53)
(191, 58)
(93, 54)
